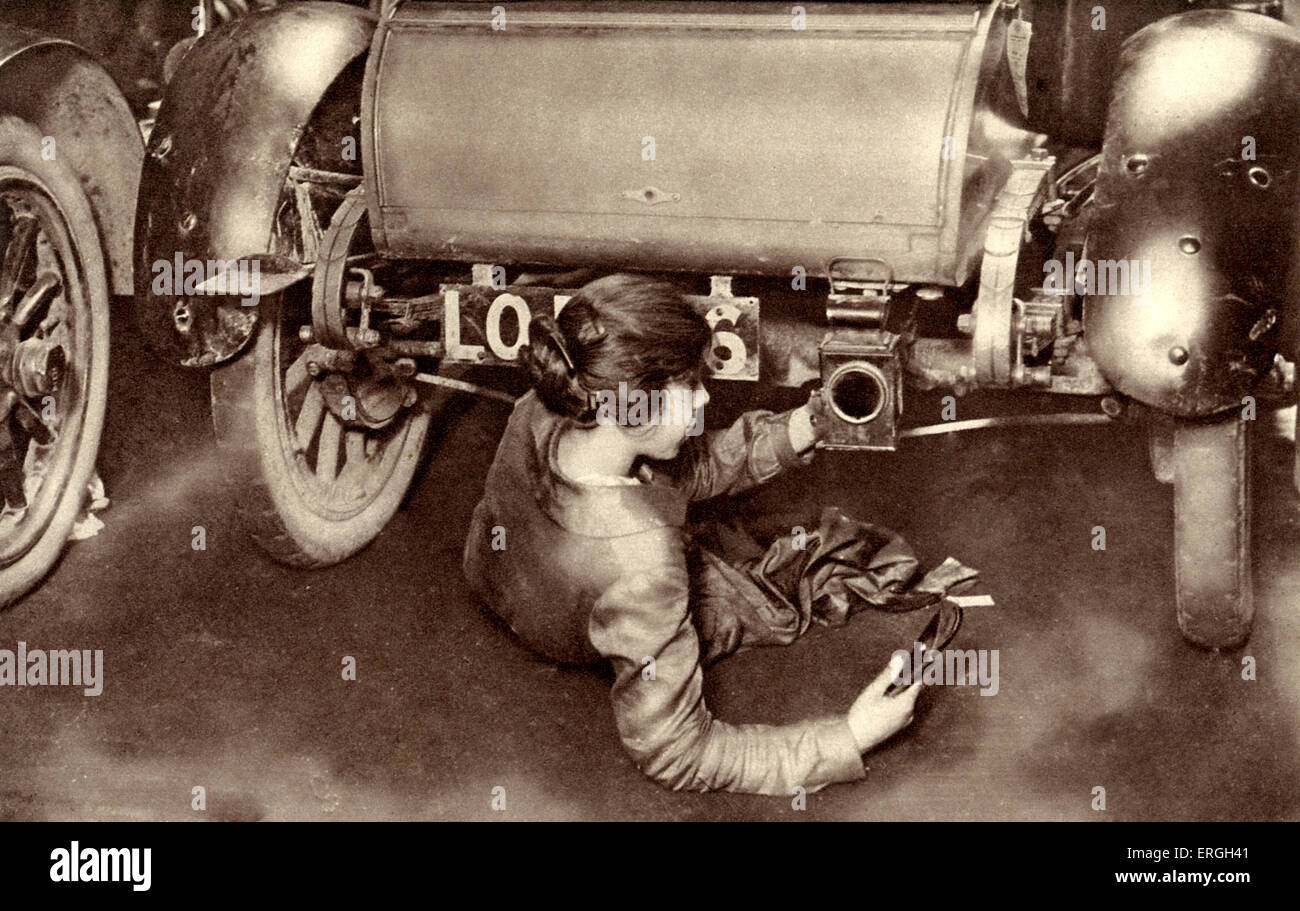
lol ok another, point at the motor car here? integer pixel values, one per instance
(70, 157)
(80, 81)
(1095, 202)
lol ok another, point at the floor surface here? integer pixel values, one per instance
(223, 669)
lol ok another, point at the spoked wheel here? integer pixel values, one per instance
(54, 345)
(313, 486)
(324, 443)
(1212, 568)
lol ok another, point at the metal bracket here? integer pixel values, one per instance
(860, 302)
(447, 382)
(996, 313)
(1010, 420)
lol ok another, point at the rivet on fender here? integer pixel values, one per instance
(1259, 177)
(1178, 355)
(1136, 165)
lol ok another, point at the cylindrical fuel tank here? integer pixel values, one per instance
(748, 138)
(1197, 194)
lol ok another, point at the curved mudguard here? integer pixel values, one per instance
(1074, 52)
(60, 89)
(218, 158)
(1197, 201)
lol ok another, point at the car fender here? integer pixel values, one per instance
(62, 91)
(1197, 193)
(218, 158)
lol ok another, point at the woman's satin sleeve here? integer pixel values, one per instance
(642, 625)
(753, 450)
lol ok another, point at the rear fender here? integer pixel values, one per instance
(1074, 52)
(217, 161)
(67, 96)
(1197, 194)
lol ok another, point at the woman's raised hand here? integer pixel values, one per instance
(808, 422)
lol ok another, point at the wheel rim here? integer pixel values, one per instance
(45, 359)
(337, 470)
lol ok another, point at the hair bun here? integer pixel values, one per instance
(549, 359)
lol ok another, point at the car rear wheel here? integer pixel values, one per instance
(312, 487)
(1212, 570)
(54, 348)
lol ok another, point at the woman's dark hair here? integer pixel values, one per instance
(620, 328)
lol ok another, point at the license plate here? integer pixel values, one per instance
(486, 325)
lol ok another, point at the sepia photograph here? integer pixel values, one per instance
(648, 411)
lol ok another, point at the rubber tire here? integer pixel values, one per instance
(247, 424)
(20, 146)
(1212, 568)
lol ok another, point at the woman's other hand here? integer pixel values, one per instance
(875, 717)
(808, 422)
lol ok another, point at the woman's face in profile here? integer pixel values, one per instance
(677, 414)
